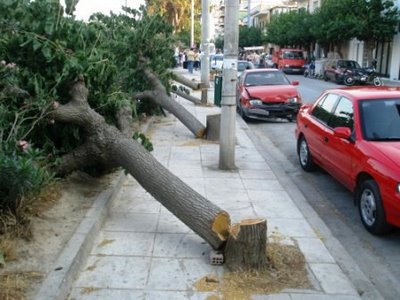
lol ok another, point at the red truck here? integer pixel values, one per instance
(289, 60)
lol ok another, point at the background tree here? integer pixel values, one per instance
(376, 21)
(291, 29)
(251, 36)
(178, 14)
(338, 21)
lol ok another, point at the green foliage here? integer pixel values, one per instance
(335, 22)
(146, 143)
(291, 29)
(42, 51)
(219, 42)
(23, 173)
(251, 36)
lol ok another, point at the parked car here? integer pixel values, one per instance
(243, 65)
(354, 134)
(216, 62)
(337, 69)
(267, 93)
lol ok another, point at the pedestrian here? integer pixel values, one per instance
(190, 60)
(197, 60)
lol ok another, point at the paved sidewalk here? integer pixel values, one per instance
(142, 251)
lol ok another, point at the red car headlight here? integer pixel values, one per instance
(293, 100)
(255, 102)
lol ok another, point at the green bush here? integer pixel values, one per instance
(22, 175)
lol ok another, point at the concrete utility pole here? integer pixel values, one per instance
(248, 13)
(205, 49)
(192, 25)
(229, 75)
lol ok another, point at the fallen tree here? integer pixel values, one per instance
(183, 80)
(108, 145)
(160, 97)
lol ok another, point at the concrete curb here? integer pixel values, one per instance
(58, 282)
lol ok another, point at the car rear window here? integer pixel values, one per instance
(380, 119)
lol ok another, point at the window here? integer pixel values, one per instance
(380, 119)
(343, 114)
(323, 110)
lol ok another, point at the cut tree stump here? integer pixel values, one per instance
(246, 247)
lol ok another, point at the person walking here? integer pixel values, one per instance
(190, 60)
(197, 60)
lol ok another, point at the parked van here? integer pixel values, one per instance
(289, 60)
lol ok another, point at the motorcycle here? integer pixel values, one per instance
(309, 70)
(362, 76)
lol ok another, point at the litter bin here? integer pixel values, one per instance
(217, 90)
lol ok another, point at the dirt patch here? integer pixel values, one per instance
(28, 259)
(287, 269)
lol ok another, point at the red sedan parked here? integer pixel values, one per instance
(267, 93)
(354, 134)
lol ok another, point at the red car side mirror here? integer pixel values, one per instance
(342, 132)
(295, 82)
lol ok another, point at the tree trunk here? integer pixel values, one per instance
(187, 97)
(247, 245)
(160, 96)
(183, 80)
(108, 145)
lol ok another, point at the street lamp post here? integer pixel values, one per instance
(192, 25)
(205, 49)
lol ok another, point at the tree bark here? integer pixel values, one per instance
(160, 96)
(183, 80)
(247, 245)
(187, 97)
(108, 145)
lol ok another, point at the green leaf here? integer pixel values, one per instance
(49, 27)
(36, 44)
(47, 53)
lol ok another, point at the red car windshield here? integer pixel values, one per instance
(380, 119)
(266, 78)
(293, 55)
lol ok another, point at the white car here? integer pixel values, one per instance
(217, 62)
(243, 65)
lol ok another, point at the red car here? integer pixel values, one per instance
(354, 134)
(267, 93)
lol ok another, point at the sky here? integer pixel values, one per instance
(87, 7)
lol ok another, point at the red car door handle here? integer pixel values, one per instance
(326, 139)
